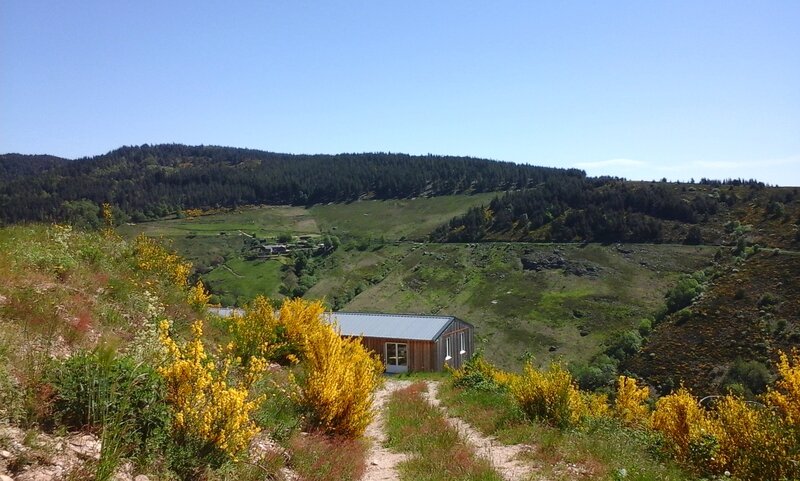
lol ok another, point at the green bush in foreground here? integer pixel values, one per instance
(99, 390)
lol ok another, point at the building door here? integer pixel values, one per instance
(396, 357)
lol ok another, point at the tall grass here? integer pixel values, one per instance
(121, 399)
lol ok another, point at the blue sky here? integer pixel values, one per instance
(642, 89)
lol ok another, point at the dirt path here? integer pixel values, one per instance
(232, 271)
(504, 458)
(382, 463)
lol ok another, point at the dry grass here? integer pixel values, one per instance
(413, 425)
(316, 457)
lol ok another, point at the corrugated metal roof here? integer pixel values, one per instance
(400, 326)
(226, 311)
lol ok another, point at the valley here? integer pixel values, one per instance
(527, 300)
(602, 310)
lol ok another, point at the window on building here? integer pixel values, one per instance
(463, 343)
(448, 348)
(396, 354)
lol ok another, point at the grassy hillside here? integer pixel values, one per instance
(111, 367)
(546, 300)
(543, 300)
(394, 219)
(216, 243)
(562, 311)
(262, 221)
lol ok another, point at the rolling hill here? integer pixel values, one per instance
(152, 181)
(545, 262)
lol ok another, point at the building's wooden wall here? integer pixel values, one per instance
(430, 355)
(421, 354)
(452, 332)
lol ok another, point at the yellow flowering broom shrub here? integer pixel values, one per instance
(749, 440)
(785, 396)
(339, 377)
(752, 442)
(108, 220)
(630, 405)
(596, 404)
(686, 426)
(551, 396)
(207, 406)
(197, 296)
(281, 337)
(252, 334)
(478, 373)
(154, 258)
(340, 382)
(300, 324)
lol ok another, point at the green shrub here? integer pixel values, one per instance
(683, 316)
(741, 246)
(96, 389)
(600, 374)
(191, 458)
(753, 376)
(694, 236)
(775, 209)
(684, 292)
(768, 300)
(645, 327)
(624, 346)
(477, 373)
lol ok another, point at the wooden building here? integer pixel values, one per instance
(410, 343)
(405, 342)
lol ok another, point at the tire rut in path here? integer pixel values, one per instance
(381, 462)
(503, 458)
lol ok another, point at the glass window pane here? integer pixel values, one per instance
(402, 355)
(391, 352)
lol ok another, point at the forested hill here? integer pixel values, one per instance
(13, 166)
(151, 181)
(584, 209)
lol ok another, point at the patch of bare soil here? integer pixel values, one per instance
(35, 456)
(381, 462)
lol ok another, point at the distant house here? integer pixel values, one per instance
(404, 342)
(275, 249)
(410, 343)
